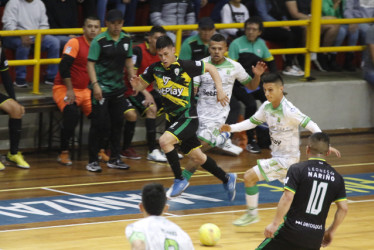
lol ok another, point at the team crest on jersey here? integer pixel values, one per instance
(68, 50)
(258, 51)
(126, 46)
(166, 79)
(176, 71)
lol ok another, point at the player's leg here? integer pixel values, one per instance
(154, 154)
(191, 167)
(128, 132)
(15, 112)
(206, 162)
(117, 106)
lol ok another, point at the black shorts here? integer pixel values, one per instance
(184, 129)
(280, 243)
(3, 98)
(137, 101)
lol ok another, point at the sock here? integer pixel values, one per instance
(128, 134)
(173, 160)
(150, 125)
(14, 126)
(211, 166)
(251, 196)
(187, 174)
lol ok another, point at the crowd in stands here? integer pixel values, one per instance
(247, 46)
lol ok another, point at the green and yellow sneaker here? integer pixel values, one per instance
(246, 219)
(18, 159)
(2, 167)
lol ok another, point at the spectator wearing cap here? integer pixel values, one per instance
(110, 52)
(196, 47)
(29, 15)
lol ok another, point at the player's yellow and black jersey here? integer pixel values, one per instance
(175, 86)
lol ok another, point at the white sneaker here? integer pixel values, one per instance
(292, 71)
(156, 155)
(231, 149)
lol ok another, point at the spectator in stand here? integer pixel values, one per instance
(359, 9)
(368, 57)
(71, 91)
(62, 14)
(88, 8)
(9, 105)
(248, 50)
(233, 12)
(148, 101)
(301, 10)
(216, 12)
(196, 47)
(171, 12)
(127, 8)
(275, 10)
(29, 15)
(336, 8)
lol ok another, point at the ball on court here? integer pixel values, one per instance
(209, 234)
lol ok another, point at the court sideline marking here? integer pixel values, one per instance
(179, 216)
(203, 174)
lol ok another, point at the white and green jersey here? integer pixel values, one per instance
(210, 112)
(283, 122)
(159, 233)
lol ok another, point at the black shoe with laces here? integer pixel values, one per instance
(253, 147)
(117, 163)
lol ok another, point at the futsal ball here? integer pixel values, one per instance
(209, 234)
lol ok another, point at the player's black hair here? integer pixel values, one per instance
(153, 198)
(319, 143)
(256, 20)
(218, 38)
(272, 77)
(156, 29)
(93, 18)
(163, 42)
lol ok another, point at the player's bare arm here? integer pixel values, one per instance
(257, 70)
(340, 214)
(282, 209)
(148, 98)
(130, 68)
(97, 93)
(221, 95)
(335, 151)
(138, 84)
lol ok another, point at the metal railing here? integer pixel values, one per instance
(312, 39)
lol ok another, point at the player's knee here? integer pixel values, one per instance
(131, 116)
(198, 157)
(250, 177)
(151, 112)
(15, 110)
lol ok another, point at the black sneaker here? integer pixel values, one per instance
(93, 167)
(20, 83)
(253, 148)
(48, 81)
(117, 163)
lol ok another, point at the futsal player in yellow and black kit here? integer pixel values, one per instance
(174, 81)
(109, 53)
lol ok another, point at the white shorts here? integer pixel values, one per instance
(208, 132)
(274, 168)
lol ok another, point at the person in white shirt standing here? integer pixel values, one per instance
(233, 12)
(155, 231)
(284, 120)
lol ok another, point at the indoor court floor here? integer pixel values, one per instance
(51, 206)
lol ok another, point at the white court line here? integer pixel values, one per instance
(186, 215)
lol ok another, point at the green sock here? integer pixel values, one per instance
(187, 174)
(251, 190)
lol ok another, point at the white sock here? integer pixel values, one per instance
(252, 203)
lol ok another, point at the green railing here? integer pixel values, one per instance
(312, 39)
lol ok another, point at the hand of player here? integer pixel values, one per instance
(335, 151)
(225, 128)
(260, 68)
(97, 93)
(222, 98)
(270, 229)
(327, 238)
(148, 100)
(70, 96)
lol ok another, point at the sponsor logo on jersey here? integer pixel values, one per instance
(198, 63)
(172, 91)
(209, 93)
(126, 46)
(68, 50)
(166, 79)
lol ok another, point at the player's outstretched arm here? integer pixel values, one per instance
(282, 209)
(257, 70)
(221, 95)
(238, 127)
(340, 214)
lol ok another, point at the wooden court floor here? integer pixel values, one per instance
(47, 178)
